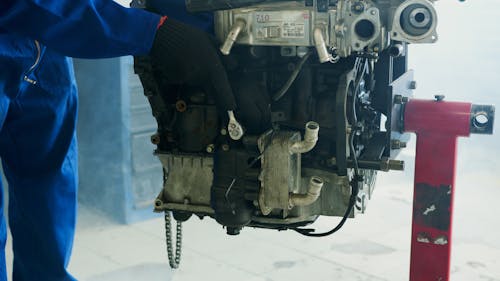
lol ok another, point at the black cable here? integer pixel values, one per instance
(292, 78)
(352, 199)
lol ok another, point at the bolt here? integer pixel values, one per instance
(210, 148)
(413, 85)
(158, 203)
(155, 139)
(397, 144)
(225, 147)
(397, 165)
(439, 97)
(181, 106)
(331, 162)
(387, 164)
(223, 131)
(358, 7)
(233, 230)
(396, 50)
(399, 99)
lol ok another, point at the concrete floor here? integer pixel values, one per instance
(374, 246)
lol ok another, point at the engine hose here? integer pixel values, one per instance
(352, 199)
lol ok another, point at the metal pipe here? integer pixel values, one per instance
(310, 139)
(313, 191)
(233, 34)
(320, 44)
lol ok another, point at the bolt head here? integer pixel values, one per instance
(155, 139)
(398, 99)
(210, 148)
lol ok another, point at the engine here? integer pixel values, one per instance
(317, 84)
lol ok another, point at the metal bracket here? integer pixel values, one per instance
(437, 124)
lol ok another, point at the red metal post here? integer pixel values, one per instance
(437, 125)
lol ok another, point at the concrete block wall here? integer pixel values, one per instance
(118, 173)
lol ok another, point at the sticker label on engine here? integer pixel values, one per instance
(281, 25)
(293, 30)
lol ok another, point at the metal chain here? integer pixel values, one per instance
(174, 261)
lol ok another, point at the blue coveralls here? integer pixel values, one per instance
(38, 109)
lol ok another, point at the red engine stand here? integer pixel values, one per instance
(437, 125)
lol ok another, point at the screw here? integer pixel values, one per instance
(413, 85)
(223, 131)
(225, 147)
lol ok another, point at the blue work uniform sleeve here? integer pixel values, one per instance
(81, 28)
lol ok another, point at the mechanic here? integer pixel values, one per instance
(38, 108)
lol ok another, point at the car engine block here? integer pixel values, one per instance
(316, 83)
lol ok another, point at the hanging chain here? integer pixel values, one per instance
(174, 262)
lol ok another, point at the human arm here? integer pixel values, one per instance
(102, 28)
(82, 28)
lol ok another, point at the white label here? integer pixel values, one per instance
(291, 24)
(293, 30)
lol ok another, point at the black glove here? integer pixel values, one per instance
(186, 55)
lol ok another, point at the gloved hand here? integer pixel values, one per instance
(187, 55)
